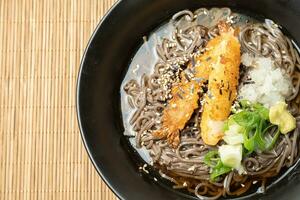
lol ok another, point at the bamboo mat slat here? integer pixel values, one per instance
(41, 153)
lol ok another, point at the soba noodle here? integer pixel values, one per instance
(184, 165)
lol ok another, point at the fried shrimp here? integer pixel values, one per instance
(222, 87)
(179, 111)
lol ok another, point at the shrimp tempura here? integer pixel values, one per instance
(222, 88)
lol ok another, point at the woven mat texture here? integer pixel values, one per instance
(41, 153)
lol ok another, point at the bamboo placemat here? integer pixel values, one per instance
(41, 153)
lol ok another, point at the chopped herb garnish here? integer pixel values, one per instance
(208, 58)
(254, 120)
(213, 160)
(248, 82)
(179, 95)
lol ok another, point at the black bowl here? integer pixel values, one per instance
(103, 67)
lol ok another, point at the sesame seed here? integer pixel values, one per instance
(144, 168)
(191, 168)
(136, 69)
(145, 38)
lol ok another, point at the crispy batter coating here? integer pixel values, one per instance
(179, 111)
(222, 87)
(184, 101)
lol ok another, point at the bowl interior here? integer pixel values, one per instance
(103, 67)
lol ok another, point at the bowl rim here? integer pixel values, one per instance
(83, 133)
(81, 130)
